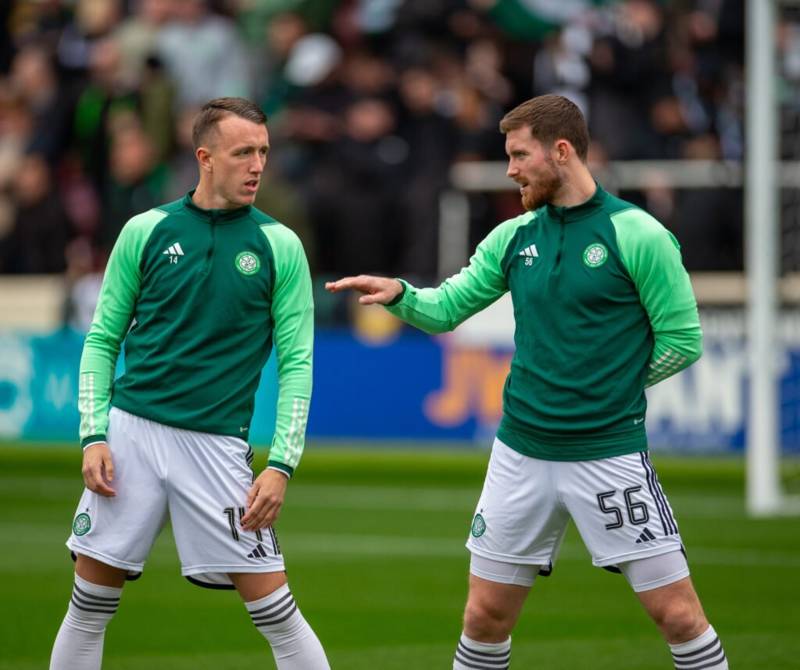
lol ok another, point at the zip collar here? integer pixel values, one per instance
(576, 212)
(215, 215)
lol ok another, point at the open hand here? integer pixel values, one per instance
(380, 290)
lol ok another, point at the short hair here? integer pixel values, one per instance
(217, 109)
(550, 118)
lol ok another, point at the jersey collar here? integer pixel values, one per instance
(214, 215)
(576, 212)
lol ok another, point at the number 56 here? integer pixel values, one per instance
(637, 511)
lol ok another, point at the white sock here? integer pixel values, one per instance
(471, 654)
(79, 643)
(294, 644)
(703, 653)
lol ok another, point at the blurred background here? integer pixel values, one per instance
(386, 158)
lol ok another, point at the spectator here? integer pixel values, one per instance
(204, 55)
(137, 180)
(16, 128)
(104, 97)
(50, 102)
(40, 231)
(282, 34)
(137, 37)
(431, 140)
(92, 20)
(357, 210)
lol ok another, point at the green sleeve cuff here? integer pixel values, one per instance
(285, 469)
(400, 295)
(92, 439)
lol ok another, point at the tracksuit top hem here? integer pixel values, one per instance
(554, 447)
(130, 406)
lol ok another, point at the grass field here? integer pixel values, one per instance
(374, 545)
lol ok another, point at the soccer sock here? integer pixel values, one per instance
(482, 655)
(294, 644)
(79, 643)
(703, 653)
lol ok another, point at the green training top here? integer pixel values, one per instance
(199, 296)
(603, 307)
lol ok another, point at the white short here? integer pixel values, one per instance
(617, 504)
(197, 480)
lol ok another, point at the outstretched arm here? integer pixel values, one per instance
(437, 310)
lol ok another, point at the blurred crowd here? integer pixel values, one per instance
(370, 103)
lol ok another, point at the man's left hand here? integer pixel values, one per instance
(264, 500)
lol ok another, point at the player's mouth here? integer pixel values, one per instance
(251, 185)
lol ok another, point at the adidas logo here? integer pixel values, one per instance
(258, 552)
(646, 536)
(174, 251)
(530, 252)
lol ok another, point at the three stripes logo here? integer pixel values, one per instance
(258, 552)
(529, 253)
(174, 252)
(646, 536)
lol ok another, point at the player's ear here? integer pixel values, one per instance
(561, 151)
(204, 159)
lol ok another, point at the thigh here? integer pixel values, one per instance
(519, 518)
(120, 531)
(209, 479)
(619, 508)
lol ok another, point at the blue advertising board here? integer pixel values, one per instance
(39, 383)
(415, 387)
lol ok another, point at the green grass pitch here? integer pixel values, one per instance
(374, 546)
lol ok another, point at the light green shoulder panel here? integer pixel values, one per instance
(123, 273)
(651, 254)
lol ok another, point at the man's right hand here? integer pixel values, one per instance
(98, 469)
(380, 290)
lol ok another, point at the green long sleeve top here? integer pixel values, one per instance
(603, 307)
(198, 297)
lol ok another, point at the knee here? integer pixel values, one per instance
(680, 621)
(484, 622)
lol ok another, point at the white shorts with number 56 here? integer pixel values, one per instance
(617, 505)
(197, 480)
